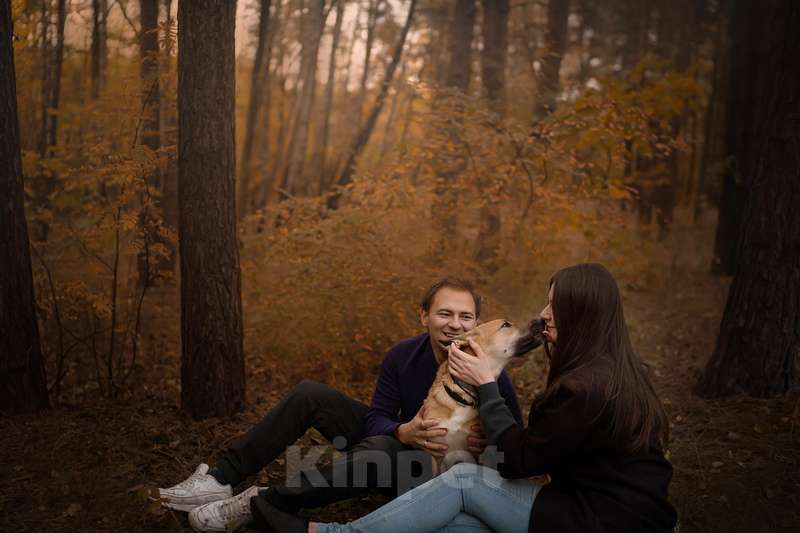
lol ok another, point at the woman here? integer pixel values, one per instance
(598, 430)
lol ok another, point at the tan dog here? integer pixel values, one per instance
(455, 403)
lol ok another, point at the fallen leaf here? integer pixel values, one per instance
(73, 510)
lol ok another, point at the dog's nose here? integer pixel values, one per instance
(536, 326)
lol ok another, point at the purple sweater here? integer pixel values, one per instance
(407, 372)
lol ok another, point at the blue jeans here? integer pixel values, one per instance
(468, 497)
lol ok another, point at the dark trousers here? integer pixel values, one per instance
(368, 463)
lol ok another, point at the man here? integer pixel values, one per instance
(391, 426)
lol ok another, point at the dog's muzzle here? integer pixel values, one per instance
(531, 340)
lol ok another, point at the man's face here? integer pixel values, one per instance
(452, 313)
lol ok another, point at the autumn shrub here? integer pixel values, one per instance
(98, 245)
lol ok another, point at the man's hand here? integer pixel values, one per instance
(476, 440)
(419, 431)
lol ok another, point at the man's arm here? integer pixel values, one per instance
(386, 401)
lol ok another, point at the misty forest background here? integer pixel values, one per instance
(208, 201)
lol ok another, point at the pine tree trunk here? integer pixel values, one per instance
(321, 146)
(296, 178)
(58, 63)
(495, 44)
(257, 81)
(493, 62)
(714, 117)
(758, 348)
(741, 113)
(46, 58)
(98, 50)
(555, 46)
(150, 135)
(23, 386)
(212, 361)
(372, 21)
(460, 45)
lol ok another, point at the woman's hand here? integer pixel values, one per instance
(473, 369)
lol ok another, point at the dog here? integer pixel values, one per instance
(454, 402)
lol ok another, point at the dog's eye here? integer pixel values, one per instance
(506, 324)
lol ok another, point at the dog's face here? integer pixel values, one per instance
(502, 341)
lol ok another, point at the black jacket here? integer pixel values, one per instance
(596, 485)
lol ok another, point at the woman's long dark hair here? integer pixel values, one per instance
(587, 309)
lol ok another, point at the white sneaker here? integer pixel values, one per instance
(198, 489)
(224, 515)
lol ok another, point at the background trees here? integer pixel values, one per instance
(498, 137)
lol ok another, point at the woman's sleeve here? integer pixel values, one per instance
(555, 431)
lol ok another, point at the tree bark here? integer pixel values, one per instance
(150, 134)
(296, 178)
(555, 46)
(321, 146)
(676, 34)
(741, 115)
(44, 134)
(493, 62)
(372, 22)
(257, 81)
(495, 44)
(713, 121)
(99, 50)
(212, 361)
(758, 348)
(58, 63)
(364, 135)
(23, 386)
(462, 27)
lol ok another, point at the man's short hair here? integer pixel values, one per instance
(451, 283)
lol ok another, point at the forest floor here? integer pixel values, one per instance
(88, 467)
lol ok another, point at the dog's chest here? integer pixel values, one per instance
(457, 425)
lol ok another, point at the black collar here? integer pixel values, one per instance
(472, 402)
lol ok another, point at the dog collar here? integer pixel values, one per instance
(458, 398)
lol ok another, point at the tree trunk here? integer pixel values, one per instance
(741, 114)
(321, 145)
(495, 44)
(256, 92)
(758, 348)
(44, 134)
(674, 40)
(363, 136)
(296, 179)
(714, 120)
(372, 22)
(58, 63)
(555, 46)
(493, 62)
(389, 123)
(462, 28)
(23, 386)
(150, 134)
(212, 360)
(99, 50)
